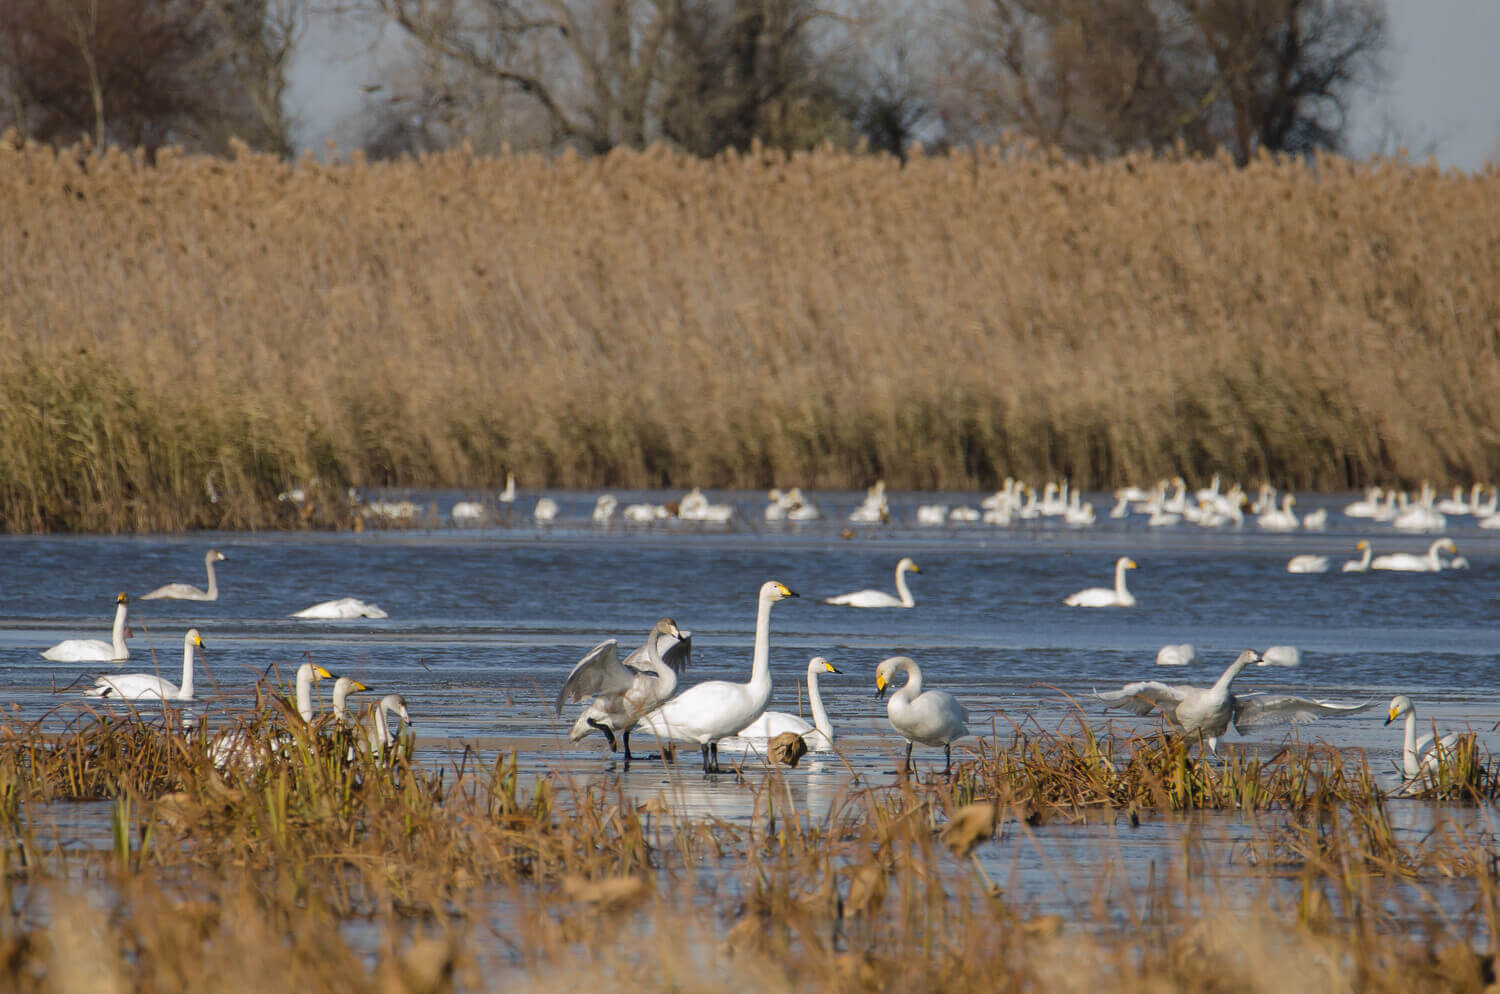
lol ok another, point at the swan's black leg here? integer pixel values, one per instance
(706, 770)
(609, 733)
(714, 750)
(947, 759)
(908, 768)
(625, 741)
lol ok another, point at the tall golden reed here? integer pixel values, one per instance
(647, 319)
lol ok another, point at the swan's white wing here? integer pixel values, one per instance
(1143, 697)
(598, 672)
(1256, 711)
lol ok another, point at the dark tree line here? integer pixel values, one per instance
(1092, 77)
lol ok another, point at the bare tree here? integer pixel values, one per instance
(144, 73)
(1101, 77)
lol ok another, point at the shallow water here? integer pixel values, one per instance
(485, 622)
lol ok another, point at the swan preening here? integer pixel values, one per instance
(717, 709)
(1209, 711)
(818, 735)
(879, 598)
(149, 686)
(1105, 596)
(342, 609)
(188, 592)
(96, 650)
(1420, 757)
(624, 692)
(933, 717)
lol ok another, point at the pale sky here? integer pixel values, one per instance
(1443, 93)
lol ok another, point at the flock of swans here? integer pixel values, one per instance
(231, 745)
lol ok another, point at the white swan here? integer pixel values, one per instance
(1178, 654)
(1195, 710)
(1405, 562)
(342, 688)
(1280, 655)
(1307, 564)
(1283, 519)
(1424, 756)
(623, 692)
(604, 509)
(1368, 507)
(695, 506)
(467, 512)
(717, 709)
(933, 718)
(1104, 596)
(819, 735)
(148, 686)
(188, 592)
(342, 609)
(879, 598)
(235, 747)
(95, 650)
(545, 511)
(1361, 565)
(382, 738)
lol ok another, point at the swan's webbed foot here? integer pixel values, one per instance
(609, 733)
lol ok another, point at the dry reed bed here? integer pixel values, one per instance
(652, 320)
(314, 871)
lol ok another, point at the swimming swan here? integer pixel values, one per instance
(819, 735)
(879, 598)
(1178, 654)
(1104, 596)
(1405, 562)
(148, 686)
(1307, 564)
(188, 592)
(933, 718)
(1424, 756)
(1195, 710)
(716, 709)
(341, 610)
(235, 747)
(95, 650)
(1361, 565)
(623, 692)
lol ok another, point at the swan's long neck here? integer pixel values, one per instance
(380, 731)
(1365, 560)
(815, 700)
(213, 578)
(341, 705)
(304, 694)
(1222, 686)
(1120, 579)
(1432, 555)
(913, 687)
(117, 634)
(665, 681)
(185, 690)
(1409, 747)
(906, 598)
(760, 663)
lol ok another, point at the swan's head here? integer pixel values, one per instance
(773, 590)
(396, 704)
(1400, 705)
(1449, 544)
(124, 598)
(887, 669)
(346, 685)
(1361, 545)
(314, 672)
(820, 665)
(214, 555)
(1125, 562)
(907, 564)
(194, 637)
(666, 626)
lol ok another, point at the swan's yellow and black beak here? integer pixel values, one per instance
(356, 685)
(1391, 717)
(198, 641)
(319, 673)
(829, 667)
(1131, 564)
(880, 684)
(787, 591)
(124, 598)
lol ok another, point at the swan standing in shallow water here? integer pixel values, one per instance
(1405, 562)
(188, 592)
(1361, 565)
(1424, 756)
(717, 709)
(341, 610)
(623, 692)
(96, 650)
(879, 598)
(818, 735)
(148, 686)
(933, 717)
(1208, 712)
(1104, 596)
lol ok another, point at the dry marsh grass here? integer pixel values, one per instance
(645, 319)
(319, 873)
